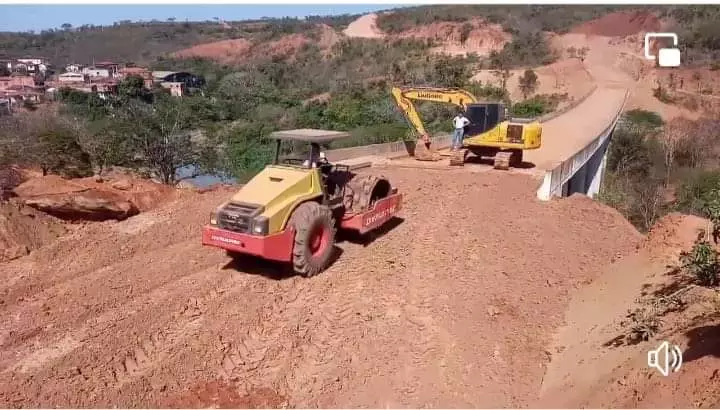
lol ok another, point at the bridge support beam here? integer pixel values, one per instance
(583, 171)
(598, 176)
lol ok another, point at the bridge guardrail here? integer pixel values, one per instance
(388, 149)
(555, 178)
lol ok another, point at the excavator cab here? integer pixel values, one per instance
(483, 117)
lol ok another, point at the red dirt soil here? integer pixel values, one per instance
(483, 38)
(224, 51)
(436, 312)
(586, 371)
(23, 229)
(235, 51)
(620, 24)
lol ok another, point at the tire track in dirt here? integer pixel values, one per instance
(115, 354)
(112, 289)
(101, 247)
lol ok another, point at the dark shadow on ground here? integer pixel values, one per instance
(703, 340)
(472, 159)
(370, 237)
(270, 269)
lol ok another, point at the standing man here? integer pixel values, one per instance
(459, 122)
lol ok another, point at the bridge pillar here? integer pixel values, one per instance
(598, 175)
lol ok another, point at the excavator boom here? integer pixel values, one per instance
(404, 97)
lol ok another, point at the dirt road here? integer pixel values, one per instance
(364, 27)
(452, 307)
(566, 134)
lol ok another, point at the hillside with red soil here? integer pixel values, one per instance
(620, 24)
(224, 51)
(482, 38)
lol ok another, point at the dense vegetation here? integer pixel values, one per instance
(513, 18)
(656, 167)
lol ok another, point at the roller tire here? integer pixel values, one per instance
(312, 251)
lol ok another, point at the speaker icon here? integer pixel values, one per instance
(665, 358)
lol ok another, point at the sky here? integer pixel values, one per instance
(43, 17)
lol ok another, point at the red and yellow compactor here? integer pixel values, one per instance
(291, 211)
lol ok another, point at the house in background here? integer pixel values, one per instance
(31, 65)
(176, 89)
(72, 78)
(94, 72)
(33, 60)
(178, 82)
(74, 68)
(17, 80)
(144, 73)
(112, 68)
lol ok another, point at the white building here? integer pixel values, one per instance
(71, 78)
(73, 68)
(94, 72)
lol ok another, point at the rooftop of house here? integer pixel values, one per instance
(163, 74)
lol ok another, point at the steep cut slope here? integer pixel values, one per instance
(452, 307)
(594, 366)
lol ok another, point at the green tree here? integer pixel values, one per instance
(528, 83)
(450, 72)
(160, 134)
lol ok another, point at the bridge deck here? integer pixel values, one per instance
(565, 135)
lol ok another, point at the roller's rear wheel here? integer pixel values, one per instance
(314, 238)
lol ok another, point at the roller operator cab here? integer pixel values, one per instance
(291, 211)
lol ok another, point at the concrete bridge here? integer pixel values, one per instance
(574, 146)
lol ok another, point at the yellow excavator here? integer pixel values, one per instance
(489, 133)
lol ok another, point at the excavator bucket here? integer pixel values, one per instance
(423, 151)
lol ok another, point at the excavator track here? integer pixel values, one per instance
(457, 158)
(506, 159)
(502, 160)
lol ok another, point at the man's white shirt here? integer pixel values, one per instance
(460, 122)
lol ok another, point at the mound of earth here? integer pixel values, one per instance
(620, 24)
(23, 229)
(87, 199)
(481, 40)
(285, 46)
(224, 51)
